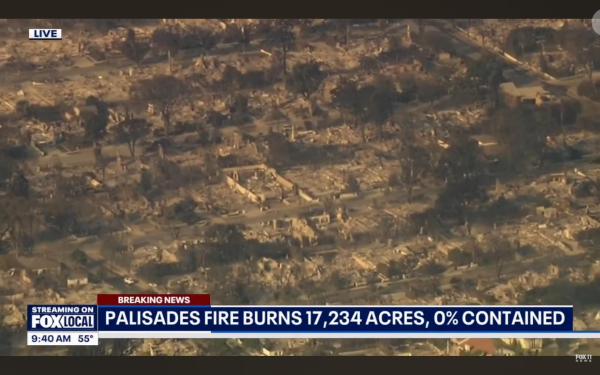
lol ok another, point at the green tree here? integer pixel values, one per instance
(20, 220)
(305, 79)
(133, 49)
(114, 245)
(283, 34)
(415, 163)
(232, 78)
(347, 98)
(462, 169)
(279, 149)
(61, 215)
(584, 46)
(394, 180)
(131, 131)
(352, 184)
(543, 63)
(522, 134)
(227, 242)
(19, 185)
(95, 123)
(100, 162)
(380, 104)
(371, 103)
(167, 93)
(501, 252)
(166, 41)
(146, 181)
(486, 72)
(239, 110)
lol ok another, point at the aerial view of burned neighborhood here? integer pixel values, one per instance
(294, 162)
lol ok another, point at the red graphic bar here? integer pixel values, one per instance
(154, 299)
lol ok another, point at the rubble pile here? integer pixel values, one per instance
(39, 55)
(12, 316)
(502, 28)
(264, 235)
(144, 255)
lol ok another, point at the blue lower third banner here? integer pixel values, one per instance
(85, 324)
(333, 321)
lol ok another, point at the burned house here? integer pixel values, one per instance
(303, 232)
(39, 266)
(77, 278)
(530, 95)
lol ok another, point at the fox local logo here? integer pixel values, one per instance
(61, 317)
(62, 321)
(45, 34)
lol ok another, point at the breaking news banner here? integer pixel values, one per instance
(192, 316)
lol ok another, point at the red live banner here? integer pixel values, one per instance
(154, 299)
